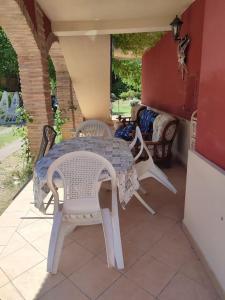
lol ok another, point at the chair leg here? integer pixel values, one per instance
(59, 231)
(108, 235)
(118, 252)
(144, 203)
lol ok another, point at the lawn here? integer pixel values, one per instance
(121, 107)
(7, 136)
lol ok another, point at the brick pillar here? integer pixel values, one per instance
(68, 103)
(29, 45)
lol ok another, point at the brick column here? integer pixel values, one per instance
(29, 45)
(68, 103)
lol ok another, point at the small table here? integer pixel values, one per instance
(114, 150)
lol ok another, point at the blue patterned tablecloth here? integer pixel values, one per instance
(113, 149)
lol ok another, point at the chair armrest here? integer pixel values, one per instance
(151, 143)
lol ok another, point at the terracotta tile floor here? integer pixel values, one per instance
(159, 260)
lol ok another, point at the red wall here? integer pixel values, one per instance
(211, 102)
(162, 85)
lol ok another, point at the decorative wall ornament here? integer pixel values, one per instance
(183, 44)
(182, 54)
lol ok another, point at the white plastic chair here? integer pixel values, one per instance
(80, 172)
(147, 168)
(93, 128)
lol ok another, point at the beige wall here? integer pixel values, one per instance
(88, 62)
(204, 215)
(182, 141)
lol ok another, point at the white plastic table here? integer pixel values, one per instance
(113, 149)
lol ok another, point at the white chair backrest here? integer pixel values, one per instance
(80, 173)
(4, 103)
(93, 128)
(138, 137)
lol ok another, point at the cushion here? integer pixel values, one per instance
(159, 125)
(147, 118)
(125, 132)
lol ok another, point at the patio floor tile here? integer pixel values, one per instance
(184, 288)
(150, 274)
(66, 290)
(35, 230)
(73, 258)
(90, 237)
(159, 260)
(16, 263)
(15, 243)
(5, 234)
(38, 279)
(3, 278)
(94, 277)
(124, 289)
(9, 292)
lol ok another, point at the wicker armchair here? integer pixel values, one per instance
(158, 139)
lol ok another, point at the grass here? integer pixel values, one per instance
(121, 107)
(9, 183)
(7, 137)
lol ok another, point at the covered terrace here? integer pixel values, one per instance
(179, 252)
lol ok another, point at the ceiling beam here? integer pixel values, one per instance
(98, 27)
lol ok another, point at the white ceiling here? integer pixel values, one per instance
(76, 15)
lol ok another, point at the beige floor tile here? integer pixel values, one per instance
(90, 237)
(35, 230)
(131, 253)
(66, 290)
(194, 269)
(9, 292)
(16, 263)
(29, 218)
(143, 236)
(15, 243)
(39, 279)
(184, 288)
(150, 274)
(124, 289)
(94, 277)
(5, 234)
(11, 219)
(73, 257)
(173, 211)
(3, 278)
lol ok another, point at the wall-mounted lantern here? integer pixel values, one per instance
(183, 44)
(176, 25)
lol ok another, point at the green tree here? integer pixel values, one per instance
(137, 43)
(129, 71)
(8, 58)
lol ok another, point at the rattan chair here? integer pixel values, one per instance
(48, 140)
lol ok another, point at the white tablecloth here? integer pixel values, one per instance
(113, 149)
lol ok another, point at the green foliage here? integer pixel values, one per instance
(59, 121)
(23, 118)
(137, 43)
(52, 75)
(130, 95)
(8, 62)
(129, 71)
